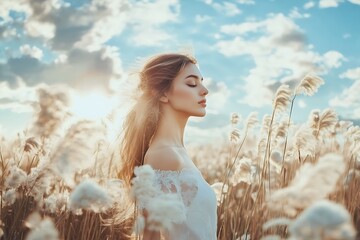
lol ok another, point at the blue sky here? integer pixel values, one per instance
(245, 49)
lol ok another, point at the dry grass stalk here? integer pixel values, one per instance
(29, 183)
(309, 85)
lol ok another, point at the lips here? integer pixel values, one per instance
(203, 103)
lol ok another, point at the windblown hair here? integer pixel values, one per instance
(141, 122)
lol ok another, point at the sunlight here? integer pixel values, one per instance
(94, 105)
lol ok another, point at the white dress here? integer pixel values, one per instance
(199, 200)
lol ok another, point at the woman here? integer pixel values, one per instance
(172, 91)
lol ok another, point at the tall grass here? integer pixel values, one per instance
(58, 179)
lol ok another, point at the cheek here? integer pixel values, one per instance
(183, 93)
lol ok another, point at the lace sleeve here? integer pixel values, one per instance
(165, 195)
(180, 182)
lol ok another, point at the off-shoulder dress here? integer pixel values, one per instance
(199, 200)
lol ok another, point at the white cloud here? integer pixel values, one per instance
(249, 2)
(87, 26)
(329, 3)
(333, 59)
(277, 47)
(296, 14)
(17, 99)
(40, 29)
(239, 29)
(353, 74)
(61, 58)
(218, 95)
(146, 36)
(309, 5)
(155, 13)
(202, 18)
(355, 1)
(33, 51)
(19, 6)
(80, 69)
(91, 25)
(109, 18)
(349, 98)
(36, 22)
(77, 35)
(7, 32)
(147, 18)
(227, 8)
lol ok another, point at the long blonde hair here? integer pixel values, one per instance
(141, 122)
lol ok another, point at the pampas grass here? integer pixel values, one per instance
(41, 229)
(311, 183)
(309, 85)
(279, 180)
(89, 195)
(323, 220)
(282, 98)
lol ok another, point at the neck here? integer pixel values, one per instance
(170, 130)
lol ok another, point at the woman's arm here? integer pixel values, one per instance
(149, 234)
(164, 158)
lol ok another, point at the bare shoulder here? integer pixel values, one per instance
(164, 158)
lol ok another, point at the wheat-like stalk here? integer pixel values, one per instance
(282, 98)
(309, 85)
(323, 122)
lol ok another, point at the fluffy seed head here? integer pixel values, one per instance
(242, 171)
(234, 135)
(328, 120)
(251, 120)
(310, 184)
(305, 141)
(30, 144)
(314, 118)
(309, 85)
(235, 118)
(143, 183)
(43, 230)
(282, 98)
(15, 178)
(10, 196)
(220, 190)
(89, 195)
(323, 220)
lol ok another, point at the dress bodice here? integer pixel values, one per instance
(199, 202)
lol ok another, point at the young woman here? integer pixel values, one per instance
(172, 91)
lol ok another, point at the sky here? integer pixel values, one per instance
(245, 50)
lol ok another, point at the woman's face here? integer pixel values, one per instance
(187, 93)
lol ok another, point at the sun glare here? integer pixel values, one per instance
(94, 105)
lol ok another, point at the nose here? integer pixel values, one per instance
(204, 91)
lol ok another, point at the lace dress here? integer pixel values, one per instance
(199, 200)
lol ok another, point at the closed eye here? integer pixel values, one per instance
(192, 85)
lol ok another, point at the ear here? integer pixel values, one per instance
(164, 98)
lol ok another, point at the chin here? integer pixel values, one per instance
(199, 114)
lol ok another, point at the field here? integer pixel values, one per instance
(274, 179)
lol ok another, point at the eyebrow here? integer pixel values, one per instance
(194, 76)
